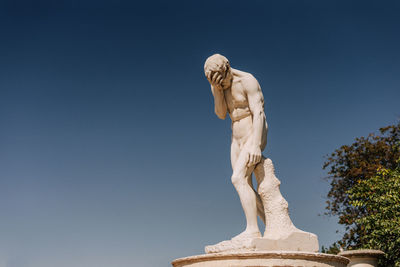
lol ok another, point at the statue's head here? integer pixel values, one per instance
(216, 63)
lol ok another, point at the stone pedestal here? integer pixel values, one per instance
(296, 241)
(362, 257)
(263, 259)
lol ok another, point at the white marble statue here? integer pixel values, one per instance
(238, 94)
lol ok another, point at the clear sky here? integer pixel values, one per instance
(110, 153)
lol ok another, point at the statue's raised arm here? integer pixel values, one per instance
(215, 70)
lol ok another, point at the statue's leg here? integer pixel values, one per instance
(241, 179)
(235, 151)
(248, 198)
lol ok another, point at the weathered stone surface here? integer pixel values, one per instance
(263, 259)
(296, 241)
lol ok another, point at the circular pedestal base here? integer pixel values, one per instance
(263, 259)
(362, 257)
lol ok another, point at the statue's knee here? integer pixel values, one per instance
(237, 180)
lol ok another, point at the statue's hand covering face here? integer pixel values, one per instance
(216, 69)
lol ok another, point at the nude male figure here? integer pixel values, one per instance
(239, 94)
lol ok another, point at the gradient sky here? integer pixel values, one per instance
(110, 153)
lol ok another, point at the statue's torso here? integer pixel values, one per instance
(239, 111)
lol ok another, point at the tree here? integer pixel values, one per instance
(347, 167)
(379, 196)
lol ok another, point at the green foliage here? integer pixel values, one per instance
(365, 193)
(353, 163)
(379, 196)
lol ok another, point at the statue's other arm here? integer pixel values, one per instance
(256, 105)
(219, 102)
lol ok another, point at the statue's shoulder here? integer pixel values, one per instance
(245, 78)
(249, 82)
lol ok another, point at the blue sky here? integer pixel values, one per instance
(110, 154)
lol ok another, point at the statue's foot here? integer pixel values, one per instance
(241, 242)
(247, 235)
(231, 246)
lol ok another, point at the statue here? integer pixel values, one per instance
(238, 94)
